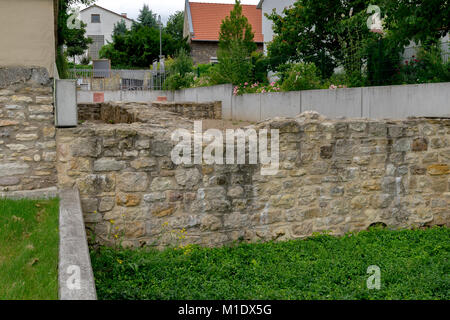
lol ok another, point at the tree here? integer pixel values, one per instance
(120, 28)
(424, 21)
(147, 18)
(235, 48)
(236, 28)
(138, 47)
(325, 33)
(181, 71)
(175, 25)
(76, 42)
(235, 65)
(73, 38)
(309, 31)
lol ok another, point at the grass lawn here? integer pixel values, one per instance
(414, 265)
(29, 249)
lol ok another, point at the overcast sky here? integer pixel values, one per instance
(163, 7)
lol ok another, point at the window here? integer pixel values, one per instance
(96, 45)
(95, 18)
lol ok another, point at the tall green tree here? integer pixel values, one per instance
(423, 21)
(236, 28)
(76, 41)
(73, 38)
(325, 33)
(235, 48)
(120, 28)
(147, 18)
(309, 31)
(138, 47)
(175, 25)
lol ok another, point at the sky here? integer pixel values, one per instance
(163, 7)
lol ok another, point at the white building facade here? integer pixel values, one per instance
(100, 26)
(267, 6)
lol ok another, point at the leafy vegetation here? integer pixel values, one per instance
(181, 70)
(335, 33)
(140, 46)
(73, 38)
(29, 250)
(414, 264)
(175, 26)
(146, 18)
(301, 76)
(427, 66)
(235, 49)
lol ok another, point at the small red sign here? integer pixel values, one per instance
(99, 97)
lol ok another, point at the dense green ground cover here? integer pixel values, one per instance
(414, 265)
(29, 250)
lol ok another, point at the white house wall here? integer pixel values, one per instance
(267, 7)
(106, 25)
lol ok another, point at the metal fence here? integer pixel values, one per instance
(90, 79)
(413, 50)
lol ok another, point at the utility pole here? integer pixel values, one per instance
(160, 37)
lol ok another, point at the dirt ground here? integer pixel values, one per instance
(224, 124)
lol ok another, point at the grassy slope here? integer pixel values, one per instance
(414, 265)
(28, 250)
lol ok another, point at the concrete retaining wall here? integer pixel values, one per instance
(76, 279)
(395, 102)
(123, 96)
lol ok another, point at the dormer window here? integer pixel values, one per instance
(95, 18)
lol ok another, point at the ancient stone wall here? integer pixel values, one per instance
(89, 111)
(129, 112)
(335, 176)
(27, 132)
(193, 110)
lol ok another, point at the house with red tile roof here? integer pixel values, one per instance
(202, 27)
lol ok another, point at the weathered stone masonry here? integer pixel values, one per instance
(130, 112)
(341, 175)
(334, 175)
(27, 132)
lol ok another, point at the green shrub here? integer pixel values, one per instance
(181, 70)
(338, 80)
(203, 69)
(182, 63)
(177, 81)
(260, 67)
(202, 81)
(235, 66)
(301, 76)
(427, 67)
(256, 88)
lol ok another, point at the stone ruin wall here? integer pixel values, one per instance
(27, 132)
(341, 175)
(335, 175)
(129, 112)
